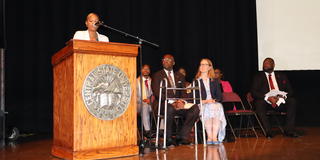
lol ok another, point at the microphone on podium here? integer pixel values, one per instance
(99, 23)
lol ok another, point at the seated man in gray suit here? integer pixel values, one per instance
(144, 107)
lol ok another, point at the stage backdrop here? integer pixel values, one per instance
(288, 30)
(224, 31)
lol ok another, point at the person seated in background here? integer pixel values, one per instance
(184, 73)
(144, 107)
(267, 81)
(91, 32)
(174, 107)
(213, 114)
(225, 85)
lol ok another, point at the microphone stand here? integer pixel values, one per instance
(140, 42)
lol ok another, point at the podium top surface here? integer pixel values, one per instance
(91, 47)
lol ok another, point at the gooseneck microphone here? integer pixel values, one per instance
(99, 23)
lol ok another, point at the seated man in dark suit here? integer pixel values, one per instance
(174, 79)
(269, 80)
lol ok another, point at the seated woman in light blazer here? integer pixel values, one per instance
(91, 32)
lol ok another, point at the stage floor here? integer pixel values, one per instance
(306, 147)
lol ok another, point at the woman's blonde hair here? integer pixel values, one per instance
(211, 70)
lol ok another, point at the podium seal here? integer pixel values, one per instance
(106, 92)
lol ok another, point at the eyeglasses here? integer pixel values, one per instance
(167, 59)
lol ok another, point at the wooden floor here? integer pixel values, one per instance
(306, 147)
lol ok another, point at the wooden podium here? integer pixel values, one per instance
(77, 133)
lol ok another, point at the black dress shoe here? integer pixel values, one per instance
(269, 135)
(291, 134)
(183, 142)
(170, 142)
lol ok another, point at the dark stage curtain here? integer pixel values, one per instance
(222, 30)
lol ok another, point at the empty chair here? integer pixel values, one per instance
(231, 97)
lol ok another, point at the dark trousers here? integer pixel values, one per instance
(290, 107)
(190, 117)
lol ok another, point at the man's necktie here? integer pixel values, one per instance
(271, 82)
(171, 81)
(146, 83)
(271, 87)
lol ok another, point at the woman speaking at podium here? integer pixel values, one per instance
(91, 32)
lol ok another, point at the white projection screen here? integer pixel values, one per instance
(289, 32)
